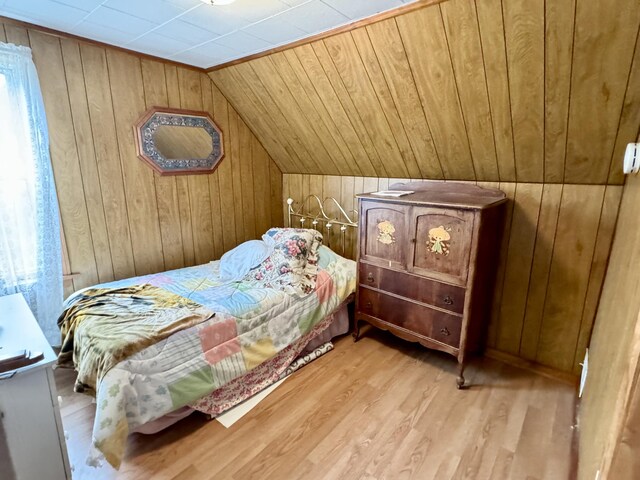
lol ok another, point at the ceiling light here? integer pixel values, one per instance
(217, 2)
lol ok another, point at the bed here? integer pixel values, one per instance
(235, 339)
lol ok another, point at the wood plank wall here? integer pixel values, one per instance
(553, 259)
(537, 97)
(119, 218)
(607, 431)
(491, 90)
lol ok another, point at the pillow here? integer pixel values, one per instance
(236, 263)
(293, 264)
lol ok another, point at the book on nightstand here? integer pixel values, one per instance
(393, 193)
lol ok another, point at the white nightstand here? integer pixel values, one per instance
(32, 444)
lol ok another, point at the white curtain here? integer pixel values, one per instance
(30, 251)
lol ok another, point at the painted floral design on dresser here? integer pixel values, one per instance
(386, 230)
(439, 238)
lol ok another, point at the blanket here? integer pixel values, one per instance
(253, 324)
(106, 325)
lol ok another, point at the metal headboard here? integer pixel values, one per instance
(316, 215)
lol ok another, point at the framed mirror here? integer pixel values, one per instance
(178, 142)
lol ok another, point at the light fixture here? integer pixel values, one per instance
(217, 2)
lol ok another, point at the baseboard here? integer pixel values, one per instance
(564, 377)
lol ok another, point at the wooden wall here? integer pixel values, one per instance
(553, 258)
(607, 411)
(119, 218)
(537, 97)
(491, 90)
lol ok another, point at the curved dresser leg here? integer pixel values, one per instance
(356, 331)
(460, 379)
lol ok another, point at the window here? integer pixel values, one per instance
(30, 252)
(17, 192)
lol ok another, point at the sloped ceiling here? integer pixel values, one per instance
(191, 32)
(518, 90)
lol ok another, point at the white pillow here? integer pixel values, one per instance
(236, 263)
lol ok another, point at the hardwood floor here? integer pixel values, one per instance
(379, 408)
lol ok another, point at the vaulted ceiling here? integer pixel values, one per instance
(511, 90)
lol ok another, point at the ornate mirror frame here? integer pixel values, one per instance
(146, 127)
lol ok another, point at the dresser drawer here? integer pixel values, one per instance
(427, 322)
(442, 295)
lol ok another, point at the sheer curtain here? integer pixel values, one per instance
(30, 251)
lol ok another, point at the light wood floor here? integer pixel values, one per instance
(379, 408)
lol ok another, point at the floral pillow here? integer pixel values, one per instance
(293, 265)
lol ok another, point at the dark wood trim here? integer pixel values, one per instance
(329, 33)
(58, 33)
(564, 377)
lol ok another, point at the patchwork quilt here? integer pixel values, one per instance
(252, 324)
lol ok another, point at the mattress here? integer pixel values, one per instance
(252, 326)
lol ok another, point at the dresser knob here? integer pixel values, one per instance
(448, 300)
(368, 305)
(370, 277)
(445, 331)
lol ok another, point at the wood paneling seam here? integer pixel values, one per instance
(95, 159)
(393, 100)
(124, 189)
(506, 58)
(546, 294)
(339, 79)
(593, 253)
(455, 83)
(605, 268)
(366, 70)
(533, 256)
(155, 189)
(339, 101)
(304, 116)
(155, 178)
(613, 148)
(268, 93)
(64, 69)
(100, 187)
(424, 111)
(573, 45)
(329, 127)
(486, 86)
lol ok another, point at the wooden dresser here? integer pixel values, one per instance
(426, 264)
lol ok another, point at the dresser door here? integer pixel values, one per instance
(442, 243)
(383, 235)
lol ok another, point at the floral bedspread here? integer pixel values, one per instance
(252, 324)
